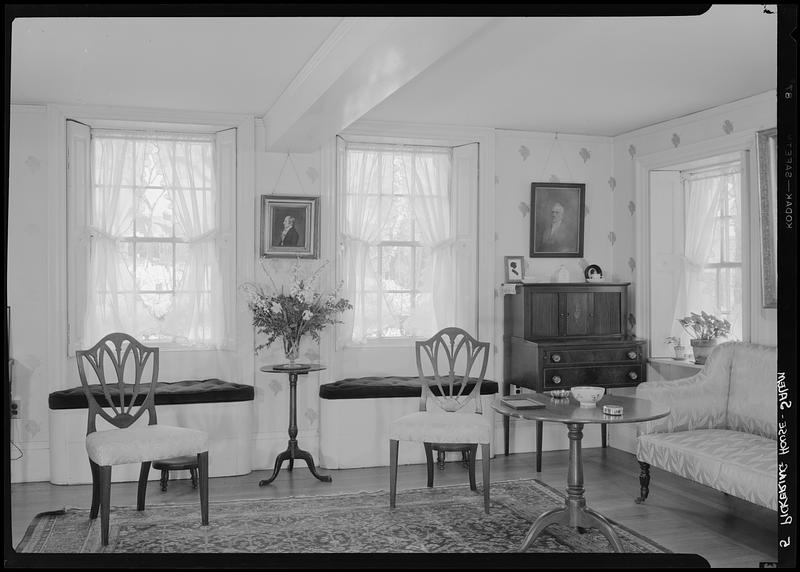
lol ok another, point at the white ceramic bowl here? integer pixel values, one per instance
(587, 395)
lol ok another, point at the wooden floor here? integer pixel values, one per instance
(682, 516)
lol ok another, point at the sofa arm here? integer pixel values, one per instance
(697, 402)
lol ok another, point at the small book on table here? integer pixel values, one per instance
(522, 402)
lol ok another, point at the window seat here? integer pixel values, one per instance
(355, 414)
(221, 408)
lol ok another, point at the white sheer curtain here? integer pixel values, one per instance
(153, 269)
(427, 175)
(364, 214)
(110, 297)
(377, 178)
(188, 168)
(702, 199)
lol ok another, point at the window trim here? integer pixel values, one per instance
(742, 142)
(76, 257)
(388, 141)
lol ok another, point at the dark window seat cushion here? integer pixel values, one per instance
(167, 393)
(393, 386)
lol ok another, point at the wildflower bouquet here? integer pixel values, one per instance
(303, 310)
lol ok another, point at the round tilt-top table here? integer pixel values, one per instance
(293, 452)
(567, 410)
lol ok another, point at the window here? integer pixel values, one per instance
(401, 234)
(150, 239)
(696, 241)
(719, 284)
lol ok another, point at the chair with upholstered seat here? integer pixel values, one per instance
(122, 405)
(446, 426)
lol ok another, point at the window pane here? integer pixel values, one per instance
(153, 213)
(154, 306)
(397, 269)
(154, 264)
(399, 221)
(399, 306)
(424, 269)
(125, 273)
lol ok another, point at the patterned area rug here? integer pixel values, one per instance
(444, 519)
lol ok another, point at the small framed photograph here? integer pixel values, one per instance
(557, 220)
(289, 226)
(515, 269)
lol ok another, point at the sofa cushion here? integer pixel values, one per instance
(752, 393)
(741, 464)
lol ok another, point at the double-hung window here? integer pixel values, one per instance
(406, 244)
(149, 238)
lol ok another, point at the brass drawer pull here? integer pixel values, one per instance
(633, 375)
(556, 379)
(632, 354)
(556, 358)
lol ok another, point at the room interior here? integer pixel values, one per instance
(602, 102)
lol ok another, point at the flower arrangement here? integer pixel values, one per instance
(704, 326)
(303, 310)
(673, 340)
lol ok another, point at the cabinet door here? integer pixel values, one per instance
(575, 309)
(607, 314)
(541, 315)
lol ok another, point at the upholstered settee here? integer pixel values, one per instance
(722, 427)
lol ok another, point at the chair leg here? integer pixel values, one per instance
(202, 468)
(105, 502)
(539, 429)
(144, 472)
(485, 452)
(440, 459)
(164, 480)
(193, 475)
(95, 489)
(393, 448)
(472, 452)
(429, 462)
(644, 482)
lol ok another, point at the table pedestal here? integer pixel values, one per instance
(575, 512)
(292, 451)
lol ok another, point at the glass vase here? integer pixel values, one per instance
(291, 348)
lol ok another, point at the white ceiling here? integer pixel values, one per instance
(594, 76)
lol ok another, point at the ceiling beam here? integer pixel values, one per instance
(363, 62)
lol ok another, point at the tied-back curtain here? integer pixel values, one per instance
(376, 177)
(428, 178)
(110, 297)
(365, 212)
(702, 199)
(153, 270)
(188, 168)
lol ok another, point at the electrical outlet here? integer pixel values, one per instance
(15, 408)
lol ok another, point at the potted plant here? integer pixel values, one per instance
(705, 331)
(677, 346)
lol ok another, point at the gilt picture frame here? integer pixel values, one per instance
(557, 220)
(289, 226)
(766, 149)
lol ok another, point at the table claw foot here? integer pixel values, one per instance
(306, 456)
(599, 522)
(278, 462)
(552, 516)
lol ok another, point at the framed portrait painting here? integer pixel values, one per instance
(557, 220)
(289, 226)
